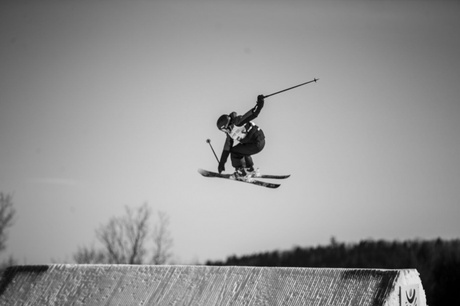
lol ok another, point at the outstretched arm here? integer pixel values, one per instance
(254, 112)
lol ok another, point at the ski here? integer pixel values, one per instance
(271, 176)
(207, 173)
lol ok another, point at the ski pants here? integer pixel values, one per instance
(241, 153)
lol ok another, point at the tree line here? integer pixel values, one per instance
(437, 261)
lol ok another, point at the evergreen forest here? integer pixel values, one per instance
(437, 261)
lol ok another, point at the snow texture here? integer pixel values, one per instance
(202, 285)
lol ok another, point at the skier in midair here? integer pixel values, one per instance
(250, 139)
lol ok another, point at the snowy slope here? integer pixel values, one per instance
(203, 285)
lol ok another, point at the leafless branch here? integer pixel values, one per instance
(7, 213)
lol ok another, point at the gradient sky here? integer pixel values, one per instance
(105, 104)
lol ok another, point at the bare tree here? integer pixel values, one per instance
(7, 213)
(90, 255)
(124, 237)
(126, 240)
(162, 240)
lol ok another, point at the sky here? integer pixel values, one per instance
(108, 104)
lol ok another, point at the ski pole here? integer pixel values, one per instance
(209, 142)
(314, 80)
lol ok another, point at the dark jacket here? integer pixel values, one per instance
(241, 129)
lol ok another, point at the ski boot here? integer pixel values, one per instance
(240, 174)
(252, 173)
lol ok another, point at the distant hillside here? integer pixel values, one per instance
(437, 261)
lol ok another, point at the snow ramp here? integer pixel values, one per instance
(207, 285)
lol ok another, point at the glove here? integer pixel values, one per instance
(223, 160)
(260, 100)
(221, 168)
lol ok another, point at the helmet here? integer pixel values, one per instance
(223, 121)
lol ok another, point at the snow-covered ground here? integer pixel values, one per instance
(207, 285)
